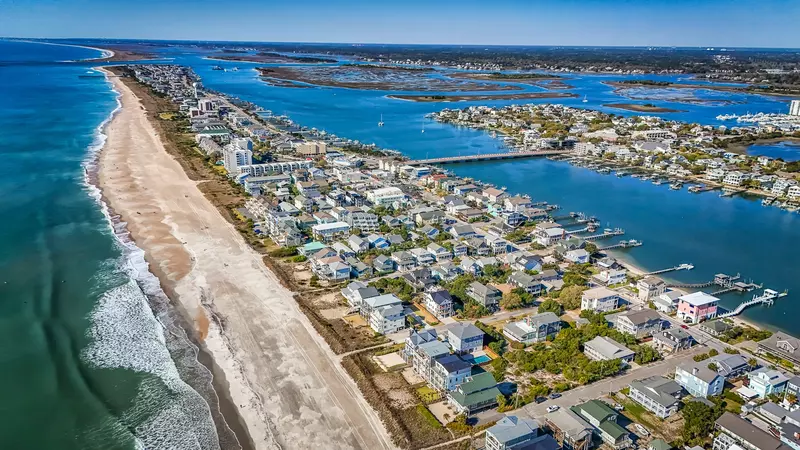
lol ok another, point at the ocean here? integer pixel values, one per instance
(88, 341)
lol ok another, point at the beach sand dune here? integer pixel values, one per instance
(289, 387)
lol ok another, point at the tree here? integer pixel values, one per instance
(571, 297)
(511, 300)
(698, 422)
(552, 306)
(713, 367)
(591, 248)
(791, 398)
(713, 352)
(752, 362)
(646, 354)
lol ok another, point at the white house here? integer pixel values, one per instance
(599, 299)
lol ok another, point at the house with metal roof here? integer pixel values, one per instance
(603, 420)
(603, 348)
(414, 339)
(569, 429)
(599, 299)
(488, 296)
(733, 430)
(657, 394)
(766, 381)
(783, 346)
(641, 324)
(477, 393)
(439, 303)
(517, 433)
(698, 379)
(464, 337)
(357, 291)
(672, 340)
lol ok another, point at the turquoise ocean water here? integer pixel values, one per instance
(87, 342)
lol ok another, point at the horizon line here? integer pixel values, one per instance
(714, 47)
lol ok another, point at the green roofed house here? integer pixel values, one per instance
(478, 392)
(604, 421)
(658, 444)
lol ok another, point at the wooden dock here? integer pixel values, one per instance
(621, 244)
(671, 269)
(767, 298)
(485, 157)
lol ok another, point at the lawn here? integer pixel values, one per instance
(428, 394)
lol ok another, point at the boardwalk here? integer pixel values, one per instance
(484, 157)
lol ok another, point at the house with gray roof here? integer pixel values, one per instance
(464, 337)
(672, 340)
(603, 348)
(781, 345)
(730, 366)
(448, 371)
(439, 303)
(642, 323)
(657, 394)
(534, 328)
(733, 430)
(383, 264)
(414, 339)
(569, 429)
(698, 379)
(517, 433)
(357, 291)
(527, 282)
(488, 296)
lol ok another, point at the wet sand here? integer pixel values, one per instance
(288, 386)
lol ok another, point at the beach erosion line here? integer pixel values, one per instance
(172, 407)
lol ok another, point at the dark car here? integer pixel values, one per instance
(555, 395)
(541, 399)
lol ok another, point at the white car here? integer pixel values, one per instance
(642, 430)
(552, 408)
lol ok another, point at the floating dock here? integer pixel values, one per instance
(767, 298)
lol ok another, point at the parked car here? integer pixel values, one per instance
(684, 327)
(541, 399)
(618, 407)
(552, 408)
(555, 395)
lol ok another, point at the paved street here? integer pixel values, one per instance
(613, 384)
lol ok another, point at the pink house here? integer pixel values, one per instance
(697, 307)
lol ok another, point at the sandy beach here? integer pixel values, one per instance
(289, 387)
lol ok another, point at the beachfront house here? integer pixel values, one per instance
(650, 287)
(464, 337)
(448, 371)
(517, 433)
(477, 393)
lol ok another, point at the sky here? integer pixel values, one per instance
(717, 23)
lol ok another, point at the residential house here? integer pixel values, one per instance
(548, 233)
(610, 277)
(460, 249)
(469, 265)
(464, 337)
(422, 257)
(414, 339)
(730, 366)
(524, 262)
(439, 303)
(403, 260)
(445, 271)
(359, 269)
(603, 420)
(516, 433)
(534, 328)
(766, 381)
(429, 232)
(424, 355)
(331, 268)
(343, 250)
(329, 232)
(793, 388)
(697, 307)
(387, 319)
(735, 433)
(667, 302)
(603, 348)
(650, 287)
(599, 299)
(488, 296)
(357, 243)
(698, 379)
(448, 371)
(370, 303)
(715, 328)
(356, 292)
(642, 323)
(569, 429)
(383, 264)
(462, 231)
(672, 340)
(363, 221)
(657, 394)
(440, 253)
(577, 256)
(377, 241)
(781, 345)
(527, 282)
(477, 393)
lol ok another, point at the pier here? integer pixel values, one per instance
(671, 269)
(767, 298)
(621, 244)
(485, 157)
(720, 279)
(605, 234)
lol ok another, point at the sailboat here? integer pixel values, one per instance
(585, 100)
(380, 124)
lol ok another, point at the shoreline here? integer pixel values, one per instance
(256, 333)
(105, 53)
(480, 97)
(226, 407)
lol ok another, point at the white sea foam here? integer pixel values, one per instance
(128, 331)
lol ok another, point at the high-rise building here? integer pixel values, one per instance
(794, 108)
(234, 157)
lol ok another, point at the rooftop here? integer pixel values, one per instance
(698, 299)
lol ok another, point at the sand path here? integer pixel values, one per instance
(289, 387)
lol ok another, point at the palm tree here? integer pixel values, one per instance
(752, 362)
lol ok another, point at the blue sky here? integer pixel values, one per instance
(733, 23)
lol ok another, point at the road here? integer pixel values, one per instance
(614, 384)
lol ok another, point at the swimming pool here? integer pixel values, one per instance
(481, 359)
